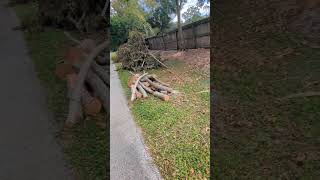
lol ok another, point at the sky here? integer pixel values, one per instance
(189, 4)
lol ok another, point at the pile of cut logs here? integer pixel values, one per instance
(141, 85)
(86, 70)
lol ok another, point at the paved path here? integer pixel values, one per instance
(129, 159)
(28, 149)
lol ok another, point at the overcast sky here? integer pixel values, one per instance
(189, 4)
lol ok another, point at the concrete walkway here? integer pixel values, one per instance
(129, 159)
(28, 149)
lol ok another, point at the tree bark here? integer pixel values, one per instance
(180, 35)
(100, 88)
(74, 104)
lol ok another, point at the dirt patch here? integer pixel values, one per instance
(199, 58)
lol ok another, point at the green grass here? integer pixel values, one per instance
(114, 57)
(88, 147)
(258, 137)
(176, 132)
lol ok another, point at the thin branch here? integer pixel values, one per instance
(304, 94)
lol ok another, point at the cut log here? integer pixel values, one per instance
(90, 105)
(102, 60)
(134, 88)
(164, 92)
(133, 94)
(100, 88)
(138, 95)
(159, 86)
(75, 55)
(74, 104)
(144, 93)
(133, 79)
(146, 84)
(155, 93)
(102, 72)
(63, 69)
(161, 96)
(154, 77)
(87, 45)
(146, 88)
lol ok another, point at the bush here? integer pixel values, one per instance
(114, 57)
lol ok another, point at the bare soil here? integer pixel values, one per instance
(199, 58)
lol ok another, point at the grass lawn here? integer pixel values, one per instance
(176, 132)
(257, 136)
(86, 146)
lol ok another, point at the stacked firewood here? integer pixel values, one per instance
(142, 85)
(135, 56)
(86, 70)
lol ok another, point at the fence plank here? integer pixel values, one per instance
(196, 35)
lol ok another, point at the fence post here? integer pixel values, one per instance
(164, 43)
(177, 39)
(194, 36)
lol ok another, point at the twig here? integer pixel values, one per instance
(72, 38)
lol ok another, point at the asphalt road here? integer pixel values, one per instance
(28, 148)
(129, 158)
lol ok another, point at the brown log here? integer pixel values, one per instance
(146, 88)
(134, 88)
(144, 93)
(102, 72)
(63, 69)
(155, 93)
(154, 77)
(74, 104)
(90, 105)
(146, 84)
(75, 55)
(133, 94)
(99, 88)
(159, 86)
(87, 45)
(133, 79)
(138, 95)
(161, 96)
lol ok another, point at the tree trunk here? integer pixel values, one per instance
(74, 104)
(180, 35)
(100, 88)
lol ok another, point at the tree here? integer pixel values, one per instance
(179, 5)
(127, 15)
(160, 14)
(192, 14)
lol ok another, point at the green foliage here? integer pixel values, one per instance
(192, 14)
(114, 57)
(128, 16)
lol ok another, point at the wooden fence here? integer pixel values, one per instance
(196, 35)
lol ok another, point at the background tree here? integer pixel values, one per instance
(192, 14)
(160, 15)
(127, 15)
(179, 5)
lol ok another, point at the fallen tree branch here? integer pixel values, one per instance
(74, 104)
(68, 35)
(134, 87)
(305, 94)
